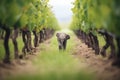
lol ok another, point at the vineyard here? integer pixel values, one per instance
(25, 16)
(93, 19)
(29, 49)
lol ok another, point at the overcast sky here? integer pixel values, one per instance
(62, 9)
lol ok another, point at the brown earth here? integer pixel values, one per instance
(19, 66)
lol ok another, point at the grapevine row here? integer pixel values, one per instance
(25, 17)
(92, 18)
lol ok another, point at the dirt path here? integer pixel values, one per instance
(80, 57)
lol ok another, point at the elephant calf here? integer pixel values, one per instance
(62, 40)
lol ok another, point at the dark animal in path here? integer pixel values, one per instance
(62, 40)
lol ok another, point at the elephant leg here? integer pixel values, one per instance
(60, 47)
(64, 45)
(60, 44)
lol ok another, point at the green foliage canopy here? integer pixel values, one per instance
(96, 14)
(30, 14)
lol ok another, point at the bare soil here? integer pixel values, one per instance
(19, 66)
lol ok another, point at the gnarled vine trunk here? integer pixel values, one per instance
(41, 36)
(109, 43)
(95, 43)
(29, 40)
(36, 44)
(6, 46)
(14, 37)
(88, 40)
(26, 47)
(2, 34)
(118, 45)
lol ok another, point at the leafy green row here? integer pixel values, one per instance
(33, 14)
(96, 14)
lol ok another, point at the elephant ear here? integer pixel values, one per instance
(67, 37)
(57, 35)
